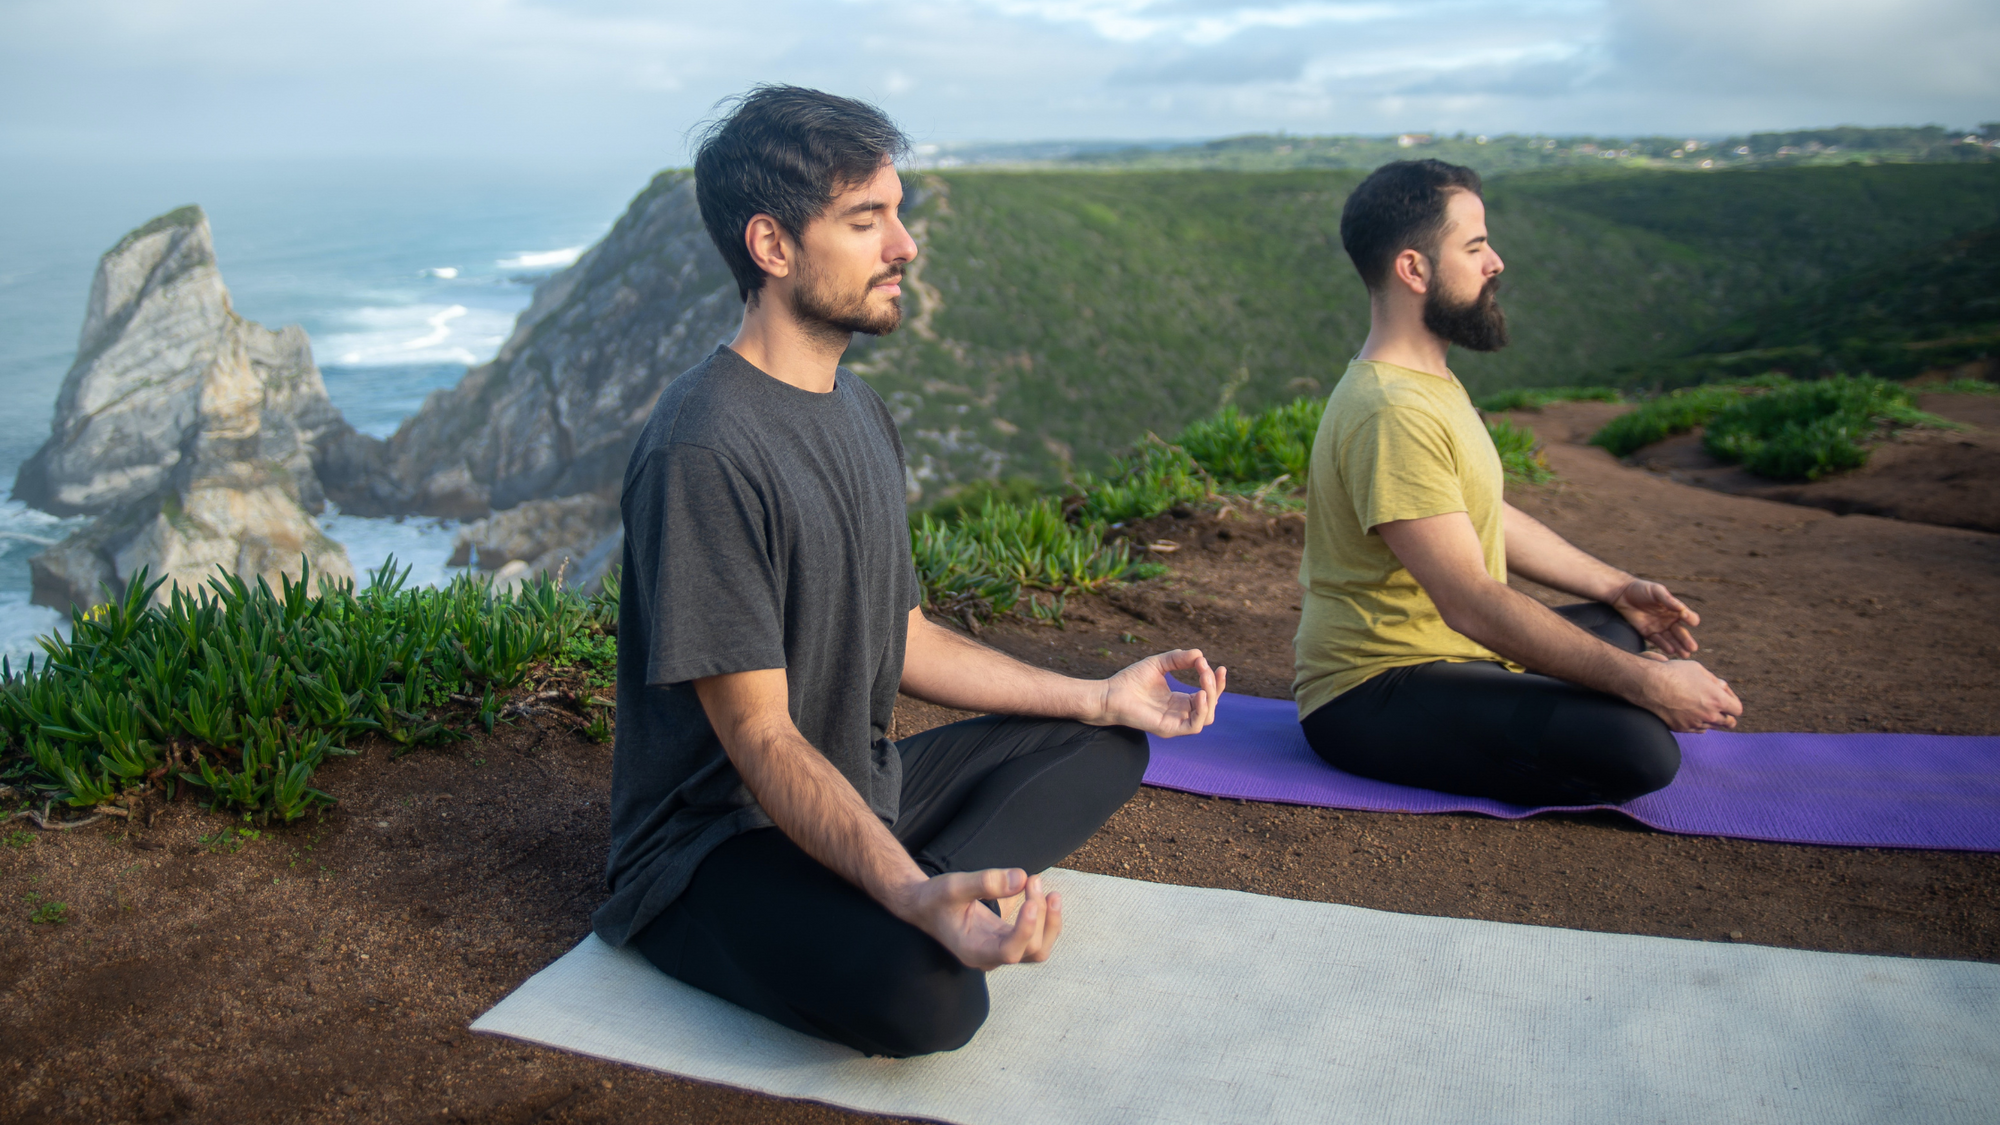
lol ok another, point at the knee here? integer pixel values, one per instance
(1651, 760)
(1659, 763)
(922, 1013)
(1128, 752)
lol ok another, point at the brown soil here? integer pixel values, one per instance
(327, 971)
(1926, 475)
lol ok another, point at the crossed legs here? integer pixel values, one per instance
(767, 927)
(1478, 729)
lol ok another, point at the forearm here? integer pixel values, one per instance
(810, 801)
(1536, 553)
(1529, 633)
(942, 667)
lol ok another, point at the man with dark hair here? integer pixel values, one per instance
(769, 843)
(1412, 651)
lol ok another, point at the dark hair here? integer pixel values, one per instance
(784, 151)
(1399, 207)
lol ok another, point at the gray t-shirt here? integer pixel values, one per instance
(764, 528)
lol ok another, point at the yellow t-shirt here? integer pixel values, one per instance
(1394, 444)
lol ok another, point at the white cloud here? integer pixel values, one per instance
(1136, 21)
(247, 77)
(1836, 52)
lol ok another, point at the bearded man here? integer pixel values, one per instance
(1416, 662)
(769, 843)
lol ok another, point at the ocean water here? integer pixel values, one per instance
(402, 272)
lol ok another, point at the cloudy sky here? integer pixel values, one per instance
(577, 78)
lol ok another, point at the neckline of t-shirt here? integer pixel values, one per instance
(778, 386)
(1451, 377)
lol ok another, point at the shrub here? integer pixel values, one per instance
(986, 563)
(1534, 398)
(1151, 479)
(1670, 414)
(1803, 431)
(1237, 448)
(1229, 452)
(1520, 455)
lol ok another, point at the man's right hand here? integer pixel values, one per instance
(1688, 697)
(951, 908)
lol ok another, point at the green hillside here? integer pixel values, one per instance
(1056, 315)
(1789, 227)
(1936, 308)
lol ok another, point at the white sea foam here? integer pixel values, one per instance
(542, 259)
(445, 272)
(440, 330)
(421, 544)
(21, 623)
(25, 532)
(417, 333)
(18, 522)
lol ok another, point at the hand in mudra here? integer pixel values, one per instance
(951, 908)
(1659, 616)
(1145, 697)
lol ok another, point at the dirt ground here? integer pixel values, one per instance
(327, 971)
(1927, 475)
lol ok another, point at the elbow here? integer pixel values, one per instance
(1458, 619)
(1460, 609)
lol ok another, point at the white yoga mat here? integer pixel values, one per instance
(1177, 1004)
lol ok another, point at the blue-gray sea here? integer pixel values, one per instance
(402, 272)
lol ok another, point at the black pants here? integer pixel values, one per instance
(1476, 728)
(767, 927)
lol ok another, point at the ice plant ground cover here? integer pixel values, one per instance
(240, 692)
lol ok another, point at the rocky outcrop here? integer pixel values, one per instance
(191, 433)
(540, 534)
(557, 411)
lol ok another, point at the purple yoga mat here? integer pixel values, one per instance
(1862, 790)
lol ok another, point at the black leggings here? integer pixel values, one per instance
(767, 927)
(1476, 728)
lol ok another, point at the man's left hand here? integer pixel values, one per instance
(1659, 616)
(1144, 696)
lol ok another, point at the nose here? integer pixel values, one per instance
(900, 247)
(1497, 267)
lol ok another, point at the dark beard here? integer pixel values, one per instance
(1478, 325)
(826, 315)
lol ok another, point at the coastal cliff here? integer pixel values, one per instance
(194, 436)
(555, 414)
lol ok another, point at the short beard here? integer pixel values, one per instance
(1477, 325)
(827, 316)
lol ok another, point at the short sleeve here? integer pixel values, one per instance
(1401, 465)
(700, 540)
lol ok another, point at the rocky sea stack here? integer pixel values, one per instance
(197, 438)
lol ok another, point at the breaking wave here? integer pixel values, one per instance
(419, 333)
(542, 259)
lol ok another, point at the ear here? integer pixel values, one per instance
(1412, 271)
(769, 246)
